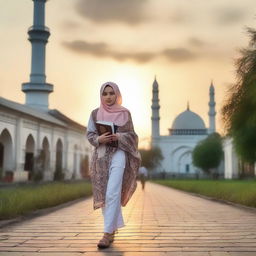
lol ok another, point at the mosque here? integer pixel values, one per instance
(34, 138)
(188, 128)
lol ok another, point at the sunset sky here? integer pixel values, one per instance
(186, 44)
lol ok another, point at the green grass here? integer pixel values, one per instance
(236, 191)
(19, 200)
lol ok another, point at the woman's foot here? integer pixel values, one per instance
(106, 240)
(112, 236)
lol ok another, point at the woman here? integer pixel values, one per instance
(113, 170)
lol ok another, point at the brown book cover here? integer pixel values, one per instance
(103, 127)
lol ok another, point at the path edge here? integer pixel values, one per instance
(39, 212)
(241, 206)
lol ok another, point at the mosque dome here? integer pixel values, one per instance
(188, 123)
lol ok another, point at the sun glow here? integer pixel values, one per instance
(136, 93)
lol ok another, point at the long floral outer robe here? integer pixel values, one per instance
(100, 163)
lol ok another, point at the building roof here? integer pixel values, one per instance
(188, 120)
(60, 116)
(53, 116)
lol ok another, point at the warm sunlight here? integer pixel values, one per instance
(136, 94)
(180, 66)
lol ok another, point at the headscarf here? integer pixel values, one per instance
(114, 113)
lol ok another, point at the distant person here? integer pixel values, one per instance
(113, 170)
(163, 174)
(143, 175)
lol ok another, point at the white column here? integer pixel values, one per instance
(78, 161)
(230, 160)
(19, 148)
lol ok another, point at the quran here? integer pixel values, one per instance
(103, 127)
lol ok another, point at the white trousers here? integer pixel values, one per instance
(112, 211)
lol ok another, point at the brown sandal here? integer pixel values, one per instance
(111, 237)
(106, 240)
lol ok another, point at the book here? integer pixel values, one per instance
(103, 127)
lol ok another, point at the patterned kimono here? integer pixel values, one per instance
(101, 160)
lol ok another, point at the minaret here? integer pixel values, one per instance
(37, 90)
(155, 112)
(212, 111)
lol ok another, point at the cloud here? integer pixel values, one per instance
(179, 54)
(196, 42)
(130, 12)
(140, 57)
(179, 17)
(230, 15)
(97, 49)
(70, 25)
(102, 50)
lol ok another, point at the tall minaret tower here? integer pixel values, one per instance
(155, 113)
(37, 90)
(212, 111)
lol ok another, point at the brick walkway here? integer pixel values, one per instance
(159, 221)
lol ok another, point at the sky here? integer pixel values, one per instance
(185, 44)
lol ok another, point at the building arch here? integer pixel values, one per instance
(6, 151)
(29, 155)
(176, 157)
(180, 148)
(185, 162)
(1, 156)
(45, 155)
(59, 160)
(84, 166)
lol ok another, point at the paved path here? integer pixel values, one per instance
(159, 221)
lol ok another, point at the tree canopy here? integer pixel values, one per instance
(208, 153)
(151, 158)
(239, 109)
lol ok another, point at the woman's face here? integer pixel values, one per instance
(109, 96)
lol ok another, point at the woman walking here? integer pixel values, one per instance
(113, 170)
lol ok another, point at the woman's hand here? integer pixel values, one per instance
(104, 138)
(114, 137)
(107, 138)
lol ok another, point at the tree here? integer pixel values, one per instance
(208, 153)
(151, 158)
(239, 109)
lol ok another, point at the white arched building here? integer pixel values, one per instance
(27, 133)
(187, 130)
(34, 138)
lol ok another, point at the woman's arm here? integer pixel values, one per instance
(93, 137)
(92, 134)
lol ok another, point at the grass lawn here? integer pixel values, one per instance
(18, 200)
(236, 191)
